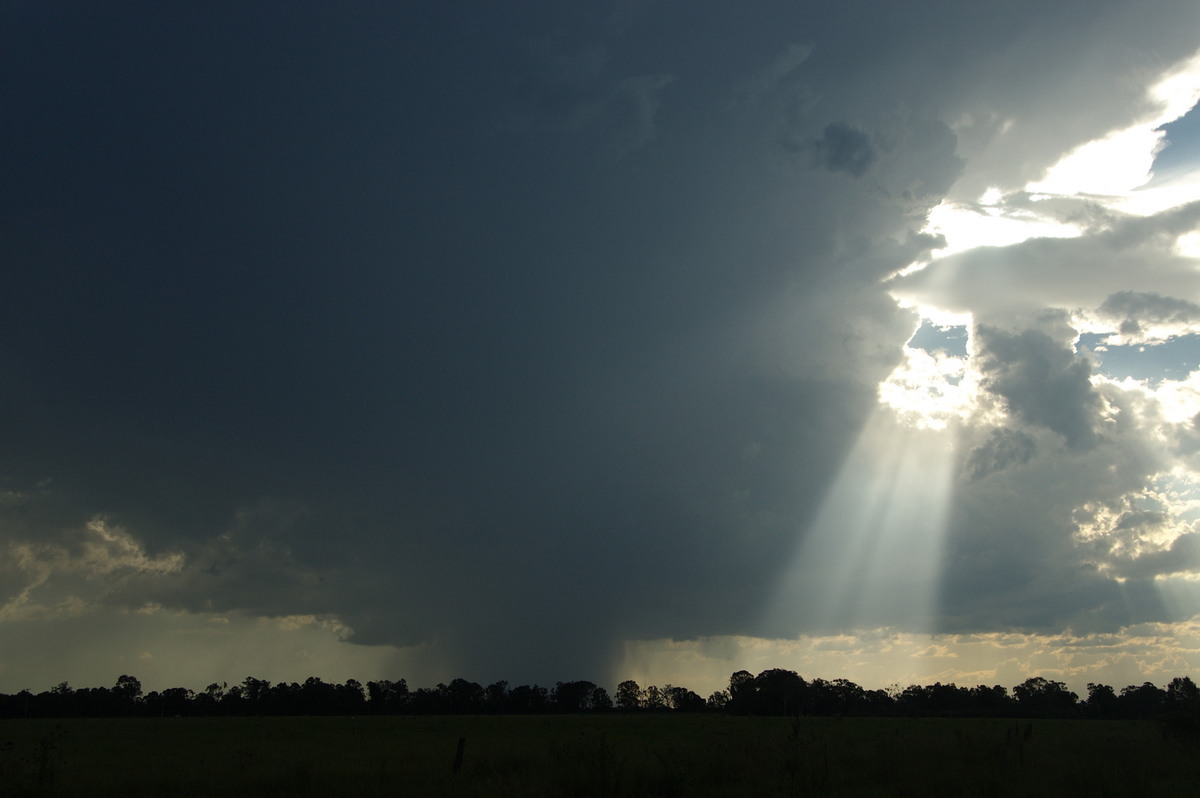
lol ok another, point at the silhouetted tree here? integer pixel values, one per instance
(525, 699)
(778, 692)
(914, 700)
(387, 697)
(573, 696)
(1043, 698)
(601, 702)
(316, 697)
(128, 693)
(176, 701)
(718, 701)
(741, 692)
(255, 691)
(947, 700)
(1183, 695)
(495, 697)
(682, 699)
(773, 692)
(465, 697)
(208, 701)
(655, 700)
(1101, 702)
(629, 696)
(991, 701)
(57, 702)
(838, 697)
(128, 690)
(1144, 701)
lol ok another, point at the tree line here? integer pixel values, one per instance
(773, 692)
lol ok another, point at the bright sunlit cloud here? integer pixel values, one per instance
(1116, 164)
(1113, 171)
(934, 383)
(1188, 244)
(929, 388)
(1178, 91)
(1178, 400)
(1120, 163)
(989, 223)
(1142, 346)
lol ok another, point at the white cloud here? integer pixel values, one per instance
(930, 388)
(1116, 164)
(988, 223)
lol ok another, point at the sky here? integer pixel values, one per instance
(634, 339)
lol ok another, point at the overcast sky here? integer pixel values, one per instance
(632, 339)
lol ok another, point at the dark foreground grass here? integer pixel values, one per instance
(609, 755)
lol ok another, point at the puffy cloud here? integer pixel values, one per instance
(1041, 381)
(1139, 315)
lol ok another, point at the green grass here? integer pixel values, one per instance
(609, 755)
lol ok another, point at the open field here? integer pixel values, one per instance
(593, 755)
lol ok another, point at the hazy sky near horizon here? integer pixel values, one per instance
(538, 342)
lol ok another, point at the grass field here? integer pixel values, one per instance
(596, 755)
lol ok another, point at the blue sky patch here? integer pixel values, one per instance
(951, 340)
(1171, 360)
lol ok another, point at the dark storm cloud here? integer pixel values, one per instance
(1182, 556)
(578, 92)
(1003, 448)
(773, 76)
(1041, 381)
(842, 148)
(909, 158)
(1014, 560)
(318, 319)
(338, 308)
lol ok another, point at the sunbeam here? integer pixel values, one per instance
(873, 555)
